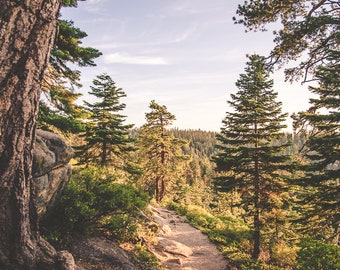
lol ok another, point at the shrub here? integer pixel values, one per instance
(317, 255)
(284, 256)
(146, 259)
(249, 264)
(94, 203)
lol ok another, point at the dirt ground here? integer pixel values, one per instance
(183, 247)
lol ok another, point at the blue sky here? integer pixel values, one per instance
(184, 54)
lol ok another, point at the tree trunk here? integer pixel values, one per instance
(256, 183)
(256, 236)
(158, 189)
(103, 154)
(257, 223)
(27, 32)
(162, 189)
(162, 185)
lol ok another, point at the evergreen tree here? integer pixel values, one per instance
(312, 27)
(321, 124)
(161, 150)
(307, 26)
(247, 160)
(107, 141)
(58, 110)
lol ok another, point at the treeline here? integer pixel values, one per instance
(201, 143)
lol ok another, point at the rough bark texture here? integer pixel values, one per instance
(27, 31)
(257, 222)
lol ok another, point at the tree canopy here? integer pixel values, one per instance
(58, 110)
(310, 26)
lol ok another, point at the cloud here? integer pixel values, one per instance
(95, 1)
(194, 7)
(145, 40)
(186, 34)
(134, 60)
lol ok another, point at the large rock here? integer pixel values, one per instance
(51, 171)
(100, 253)
(174, 247)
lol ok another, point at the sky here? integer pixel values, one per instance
(184, 54)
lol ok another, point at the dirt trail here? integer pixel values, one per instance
(183, 247)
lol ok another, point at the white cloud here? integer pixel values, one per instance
(94, 6)
(185, 34)
(135, 60)
(95, 1)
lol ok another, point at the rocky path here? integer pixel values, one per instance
(181, 246)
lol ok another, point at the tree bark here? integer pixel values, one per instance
(157, 182)
(256, 236)
(256, 183)
(104, 154)
(27, 33)
(257, 223)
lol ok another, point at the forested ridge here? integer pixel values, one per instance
(268, 198)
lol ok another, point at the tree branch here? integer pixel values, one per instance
(315, 7)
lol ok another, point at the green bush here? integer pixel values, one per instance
(317, 255)
(284, 256)
(121, 226)
(179, 209)
(249, 264)
(146, 259)
(95, 203)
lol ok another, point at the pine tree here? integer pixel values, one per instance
(107, 141)
(161, 150)
(247, 161)
(58, 110)
(321, 123)
(307, 26)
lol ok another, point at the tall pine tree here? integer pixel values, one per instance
(107, 140)
(322, 124)
(247, 160)
(161, 150)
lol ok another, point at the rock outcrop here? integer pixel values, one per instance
(51, 171)
(100, 253)
(174, 247)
